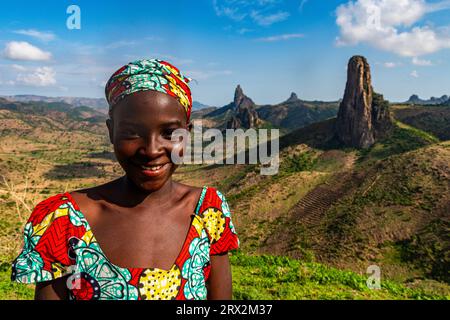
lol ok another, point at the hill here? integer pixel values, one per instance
(25, 117)
(287, 115)
(99, 104)
(294, 114)
(319, 223)
(386, 205)
(433, 119)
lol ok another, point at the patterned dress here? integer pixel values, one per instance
(58, 241)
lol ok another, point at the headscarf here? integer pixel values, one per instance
(149, 74)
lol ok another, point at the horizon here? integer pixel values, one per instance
(313, 100)
(282, 47)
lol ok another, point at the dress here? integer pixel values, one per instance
(58, 241)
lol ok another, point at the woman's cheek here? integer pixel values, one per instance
(177, 152)
(125, 148)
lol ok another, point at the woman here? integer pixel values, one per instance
(143, 235)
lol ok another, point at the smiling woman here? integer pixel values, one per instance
(143, 235)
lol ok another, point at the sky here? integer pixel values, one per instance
(270, 47)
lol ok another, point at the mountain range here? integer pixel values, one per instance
(287, 115)
(414, 99)
(361, 181)
(95, 103)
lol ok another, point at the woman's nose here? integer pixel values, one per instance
(152, 148)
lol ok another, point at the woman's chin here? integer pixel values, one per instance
(150, 181)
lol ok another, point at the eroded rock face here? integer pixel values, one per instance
(245, 115)
(361, 118)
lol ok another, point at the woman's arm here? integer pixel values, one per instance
(52, 290)
(219, 282)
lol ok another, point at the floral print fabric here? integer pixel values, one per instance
(59, 242)
(149, 74)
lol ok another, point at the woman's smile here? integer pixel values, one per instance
(155, 170)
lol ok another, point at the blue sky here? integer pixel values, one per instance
(269, 47)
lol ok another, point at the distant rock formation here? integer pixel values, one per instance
(414, 99)
(292, 98)
(363, 115)
(244, 113)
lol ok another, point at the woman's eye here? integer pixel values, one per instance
(129, 134)
(167, 133)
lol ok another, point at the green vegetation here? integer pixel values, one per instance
(272, 277)
(388, 208)
(432, 119)
(304, 161)
(11, 290)
(403, 138)
(427, 251)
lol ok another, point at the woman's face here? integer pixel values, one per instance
(141, 130)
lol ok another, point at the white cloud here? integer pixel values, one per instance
(421, 62)
(21, 50)
(281, 37)
(40, 77)
(414, 74)
(390, 65)
(268, 19)
(18, 67)
(41, 35)
(244, 30)
(302, 4)
(8, 82)
(261, 12)
(228, 11)
(390, 25)
(266, 2)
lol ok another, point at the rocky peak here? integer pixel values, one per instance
(238, 95)
(245, 115)
(361, 118)
(241, 100)
(292, 98)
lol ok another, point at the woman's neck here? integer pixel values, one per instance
(136, 196)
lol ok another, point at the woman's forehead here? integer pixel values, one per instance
(149, 105)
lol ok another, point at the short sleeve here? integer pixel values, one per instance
(44, 255)
(217, 220)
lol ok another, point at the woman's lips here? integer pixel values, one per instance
(153, 171)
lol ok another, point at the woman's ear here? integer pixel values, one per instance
(110, 125)
(190, 126)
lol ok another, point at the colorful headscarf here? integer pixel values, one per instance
(149, 74)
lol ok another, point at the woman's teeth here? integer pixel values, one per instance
(153, 168)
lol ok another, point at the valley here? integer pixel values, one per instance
(309, 232)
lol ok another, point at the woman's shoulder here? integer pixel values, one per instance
(206, 196)
(48, 206)
(211, 197)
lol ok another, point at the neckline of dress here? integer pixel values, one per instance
(94, 239)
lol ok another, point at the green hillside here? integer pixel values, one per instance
(309, 232)
(279, 278)
(432, 119)
(271, 277)
(386, 205)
